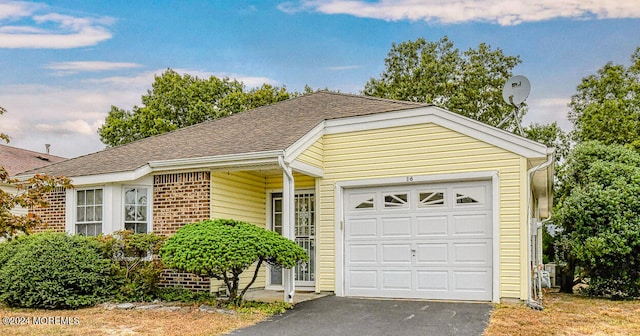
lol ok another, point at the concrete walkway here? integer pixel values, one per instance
(264, 295)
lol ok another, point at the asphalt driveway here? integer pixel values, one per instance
(333, 315)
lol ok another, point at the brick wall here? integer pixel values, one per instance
(180, 199)
(53, 216)
(172, 278)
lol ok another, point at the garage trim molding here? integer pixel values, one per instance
(411, 180)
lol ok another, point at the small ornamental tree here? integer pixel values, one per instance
(224, 248)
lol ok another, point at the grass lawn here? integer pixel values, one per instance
(567, 315)
(98, 321)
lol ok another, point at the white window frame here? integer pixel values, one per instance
(75, 222)
(149, 206)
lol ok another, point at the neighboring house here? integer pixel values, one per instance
(390, 198)
(16, 160)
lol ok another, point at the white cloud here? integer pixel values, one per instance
(72, 126)
(459, 11)
(49, 30)
(548, 110)
(89, 66)
(16, 9)
(343, 67)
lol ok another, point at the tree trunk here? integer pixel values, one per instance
(255, 276)
(567, 277)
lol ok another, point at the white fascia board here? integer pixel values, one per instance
(111, 177)
(467, 126)
(298, 147)
(306, 169)
(210, 162)
(221, 161)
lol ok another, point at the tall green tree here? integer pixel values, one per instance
(598, 211)
(552, 136)
(606, 106)
(177, 101)
(469, 83)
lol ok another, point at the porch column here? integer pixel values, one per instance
(288, 225)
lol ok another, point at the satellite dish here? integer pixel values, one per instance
(514, 93)
(516, 90)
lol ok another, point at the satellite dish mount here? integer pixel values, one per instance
(514, 92)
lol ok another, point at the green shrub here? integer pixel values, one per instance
(132, 254)
(55, 270)
(224, 248)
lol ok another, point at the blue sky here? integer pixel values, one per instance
(64, 63)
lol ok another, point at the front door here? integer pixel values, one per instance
(305, 231)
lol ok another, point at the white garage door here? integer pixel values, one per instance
(431, 241)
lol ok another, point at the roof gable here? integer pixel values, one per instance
(16, 160)
(268, 128)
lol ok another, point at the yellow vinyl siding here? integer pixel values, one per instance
(313, 154)
(300, 181)
(424, 149)
(240, 196)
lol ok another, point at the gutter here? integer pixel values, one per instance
(288, 189)
(530, 302)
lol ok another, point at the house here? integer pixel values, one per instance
(16, 160)
(390, 198)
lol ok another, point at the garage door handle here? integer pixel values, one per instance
(413, 252)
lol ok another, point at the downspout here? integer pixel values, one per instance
(530, 302)
(288, 219)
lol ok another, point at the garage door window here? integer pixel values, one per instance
(470, 196)
(399, 200)
(363, 201)
(430, 199)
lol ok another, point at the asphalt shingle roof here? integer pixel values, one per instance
(16, 160)
(272, 127)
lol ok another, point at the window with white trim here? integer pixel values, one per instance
(89, 212)
(136, 217)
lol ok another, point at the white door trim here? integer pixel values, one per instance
(493, 176)
(269, 226)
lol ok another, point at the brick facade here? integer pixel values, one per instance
(52, 216)
(172, 278)
(179, 199)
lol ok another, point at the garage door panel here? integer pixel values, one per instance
(362, 228)
(472, 281)
(471, 225)
(396, 253)
(362, 253)
(432, 226)
(396, 227)
(362, 279)
(396, 280)
(471, 253)
(432, 253)
(434, 280)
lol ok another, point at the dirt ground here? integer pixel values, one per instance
(99, 321)
(566, 314)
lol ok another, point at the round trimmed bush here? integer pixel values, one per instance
(55, 270)
(224, 248)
